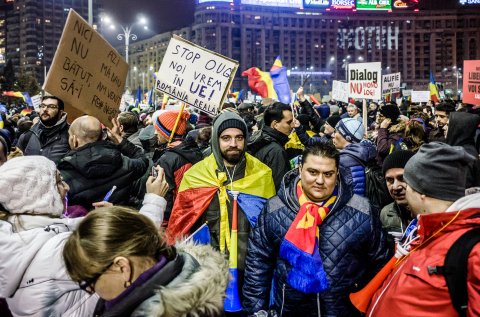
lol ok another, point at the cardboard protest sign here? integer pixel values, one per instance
(87, 73)
(471, 82)
(390, 83)
(407, 92)
(420, 95)
(364, 80)
(195, 75)
(340, 91)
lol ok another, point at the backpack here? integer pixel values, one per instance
(375, 186)
(455, 269)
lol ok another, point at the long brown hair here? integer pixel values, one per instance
(107, 233)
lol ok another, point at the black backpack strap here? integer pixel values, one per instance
(455, 269)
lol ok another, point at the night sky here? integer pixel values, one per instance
(162, 15)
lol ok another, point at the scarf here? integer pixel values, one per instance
(300, 245)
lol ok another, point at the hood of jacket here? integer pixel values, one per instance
(189, 150)
(59, 125)
(462, 127)
(265, 136)
(214, 141)
(193, 285)
(288, 190)
(364, 151)
(398, 128)
(200, 289)
(94, 160)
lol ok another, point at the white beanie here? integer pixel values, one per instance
(28, 186)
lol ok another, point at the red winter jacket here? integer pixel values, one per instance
(411, 291)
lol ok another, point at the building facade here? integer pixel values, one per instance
(32, 30)
(317, 45)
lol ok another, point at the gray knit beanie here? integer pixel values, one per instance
(438, 170)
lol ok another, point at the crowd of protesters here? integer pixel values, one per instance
(94, 220)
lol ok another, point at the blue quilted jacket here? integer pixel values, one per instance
(353, 157)
(352, 247)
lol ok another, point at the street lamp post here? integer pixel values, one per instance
(457, 74)
(126, 36)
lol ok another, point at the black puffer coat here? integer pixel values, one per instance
(175, 162)
(268, 145)
(352, 247)
(93, 169)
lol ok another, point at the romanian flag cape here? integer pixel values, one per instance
(199, 185)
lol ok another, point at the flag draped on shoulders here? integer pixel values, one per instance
(202, 181)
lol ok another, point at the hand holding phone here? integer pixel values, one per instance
(154, 172)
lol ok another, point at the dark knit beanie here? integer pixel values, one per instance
(390, 111)
(438, 170)
(333, 120)
(397, 159)
(232, 123)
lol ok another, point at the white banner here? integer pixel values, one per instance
(340, 91)
(364, 80)
(390, 83)
(420, 96)
(36, 101)
(195, 76)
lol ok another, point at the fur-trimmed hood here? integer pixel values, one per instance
(199, 290)
(193, 285)
(399, 127)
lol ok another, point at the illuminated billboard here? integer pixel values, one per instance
(405, 4)
(275, 3)
(205, 1)
(316, 3)
(469, 1)
(374, 4)
(343, 4)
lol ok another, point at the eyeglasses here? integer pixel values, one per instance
(88, 285)
(52, 107)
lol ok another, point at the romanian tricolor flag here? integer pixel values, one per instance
(434, 96)
(202, 181)
(260, 82)
(280, 81)
(26, 112)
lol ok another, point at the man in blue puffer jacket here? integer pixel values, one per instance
(355, 154)
(349, 247)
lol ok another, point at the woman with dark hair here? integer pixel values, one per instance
(120, 255)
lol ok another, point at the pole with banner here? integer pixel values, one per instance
(365, 117)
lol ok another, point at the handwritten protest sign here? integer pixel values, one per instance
(340, 91)
(195, 76)
(87, 73)
(390, 83)
(471, 82)
(420, 96)
(364, 80)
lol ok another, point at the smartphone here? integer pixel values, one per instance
(154, 172)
